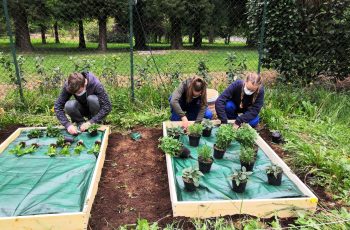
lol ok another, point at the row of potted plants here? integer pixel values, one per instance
(191, 176)
(56, 132)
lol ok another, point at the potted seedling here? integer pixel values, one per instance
(247, 158)
(224, 136)
(65, 151)
(175, 132)
(190, 177)
(205, 159)
(194, 134)
(93, 129)
(52, 131)
(274, 174)
(208, 125)
(34, 133)
(78, 149)
(98, 143)
(22, 144)
(173, 147)
(60, 142)
(247, 136)
(95, 150)
(277, 137)
(239, 180)
(51, 152)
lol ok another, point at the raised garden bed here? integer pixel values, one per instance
(214, 195)
(39, 190)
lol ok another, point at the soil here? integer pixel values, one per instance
(134, 183)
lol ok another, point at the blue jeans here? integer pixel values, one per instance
(191, 113)
(231, 112)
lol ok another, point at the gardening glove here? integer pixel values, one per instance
(184, 122)
(85, 126)
(72, 130)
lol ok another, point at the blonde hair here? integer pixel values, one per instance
(75, 82)
(256, 80)
(197, 84)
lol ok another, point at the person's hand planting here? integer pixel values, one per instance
(85, 126)
(72, 130)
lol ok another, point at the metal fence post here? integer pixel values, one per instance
(131, 35)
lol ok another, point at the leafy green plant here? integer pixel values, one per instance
(52, 151)
(109, 69)
(175, 131)
(78, 149)
(35, 133)
(60, 141)
(241, 176)
(203, 71)
(192, 175)
(195, 129)
(82, 64)
(93, 128)
(19, 150)
(65, 151)
(207, 124)
(246, 135)
(235, 71)
(274, 169)
(224, 136)
(170, 146)
(205, 153)
(52, 131)
(247, 154)
(95, 149)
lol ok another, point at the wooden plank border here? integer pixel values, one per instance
(67, 221)
(282, 207)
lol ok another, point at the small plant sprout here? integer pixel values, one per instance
(65, 151)
(241, 177)
(192, 175)
(35, 145)
(274, 170)
(52, 131)
(224, 136)
(51, 152)
(175, 131)
(98, 143)
(78, 149)
(207, 124)
(34, 133)
(195, 129)
(247, 155)
(22, 144)
(204, 153)
(246, 135)
(170, 146)
(94, 150)
(80, 142)
(21, 151)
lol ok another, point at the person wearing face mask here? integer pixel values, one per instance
(91, 101)
(245, 97)
(189, 102)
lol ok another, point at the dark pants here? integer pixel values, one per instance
(231, 112)
(77, 111)
(191, 112)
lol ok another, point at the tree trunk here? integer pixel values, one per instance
(57, 40)
(197, 43)
(140, 37)
(22, 35)
(160, 38)
(190, 37)
(82, 44)
(43, 34)
(102, 34)
(175, 33)
(211, 36)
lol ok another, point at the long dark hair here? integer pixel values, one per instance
(199, 85)
(256, 80)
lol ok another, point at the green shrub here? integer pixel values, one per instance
(224, 136)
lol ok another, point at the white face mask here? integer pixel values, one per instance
(81, 94)
(247, 91)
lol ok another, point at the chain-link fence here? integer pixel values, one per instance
(216, 39)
